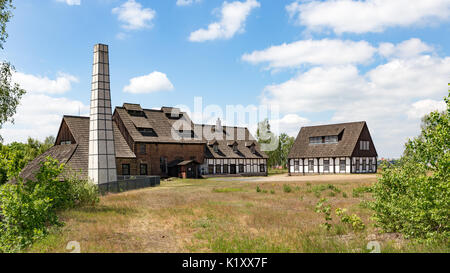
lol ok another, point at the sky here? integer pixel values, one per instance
(385, 62)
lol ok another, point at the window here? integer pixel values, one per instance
(66, 142)
(324, 140)
(147, 132)
(326, 165)
(311, 165)
(342, 165)
(218, 169)
(262, 168)
(357, 165)
(125, 169)
(211, 169)
(144, 170)
(241, 168)
(163, 164)
(216, 148)
(225, 168)
(370, 165)
(364, 165)
(296, 166)
(331, 139)
(142, 149)
(315, 140)
(135, 113)
(364, 145)
(253, 149)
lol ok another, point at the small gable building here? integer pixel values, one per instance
(335, 148)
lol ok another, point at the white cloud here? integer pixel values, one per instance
(233, 17)
(134, 16)
(289, 124)
(38, 84)
(367, 16)
(424, 107)
(407, 49)
(391, 97)
(187, 2)
(319, 89)
(39, 116)
(70, 2)
(153, 82)
(313, 52)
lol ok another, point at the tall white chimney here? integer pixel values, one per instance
(102, 154)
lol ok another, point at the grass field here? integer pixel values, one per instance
(228, 215)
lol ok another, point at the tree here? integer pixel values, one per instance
(5, 15)
(10, 93)
(413, 195)
(15, 156)
(280, 146)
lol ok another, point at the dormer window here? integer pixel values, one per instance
(324, 140)
(253, 149)
(147, 132)
(68, 142)
(135, 113)
(235, 148)
(216, 148)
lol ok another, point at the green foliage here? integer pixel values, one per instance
(287, 188)
(258, 189)
(279, 155)
(29, 209)
(323, 207)
(353, 220)
(15, 156)
(5, 15)
(413, 196)
(10, 92)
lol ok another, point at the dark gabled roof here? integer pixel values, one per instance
(159, 121)
(232, 135)
(60, 152)
(345, 147)
(76, 156)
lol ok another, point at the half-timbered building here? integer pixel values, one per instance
(334, 148)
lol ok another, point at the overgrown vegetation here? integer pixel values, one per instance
(28, 210)
(413, 196)
(282, 144)
(15, 156)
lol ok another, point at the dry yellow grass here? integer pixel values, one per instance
(224, 215)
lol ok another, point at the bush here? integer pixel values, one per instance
(413, 196)
(29, 209)
(287, 188)
(353, 220)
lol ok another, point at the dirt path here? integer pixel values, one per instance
(306, 178)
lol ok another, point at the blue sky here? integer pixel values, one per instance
(319, 61)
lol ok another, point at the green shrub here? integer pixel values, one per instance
(287, 188)
(258, 189)
(353, 220)
(323, 207)
(413, 195)
(29, 209)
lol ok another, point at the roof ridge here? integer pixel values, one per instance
(334, 124)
